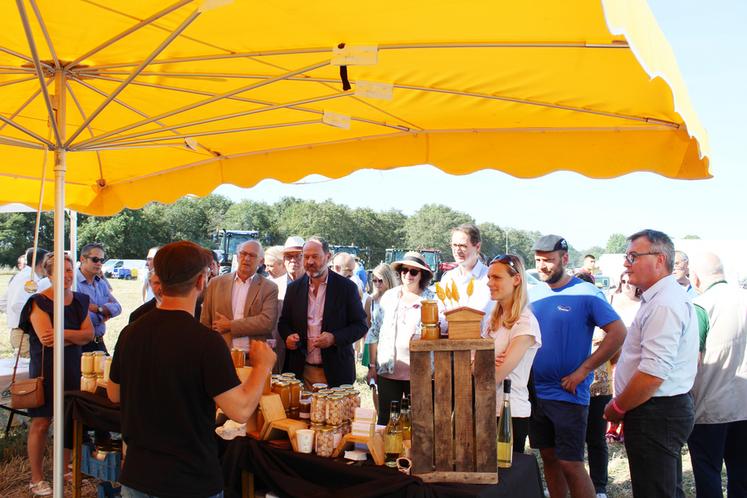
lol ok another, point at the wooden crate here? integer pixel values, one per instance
(459, 447)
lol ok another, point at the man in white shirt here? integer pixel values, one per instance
(720, 391)
(145, 276)
(17, 295)
(465, 247)
(681, 272)
(243, 304)
(656, 370)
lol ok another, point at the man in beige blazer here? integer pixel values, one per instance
(243, 304)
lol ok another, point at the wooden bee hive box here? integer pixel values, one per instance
(453, 411)
(464, 323)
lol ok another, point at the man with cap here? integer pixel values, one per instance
(567, 309)
(169, 372)
(293, 263)
(322, 318)
(243, 304)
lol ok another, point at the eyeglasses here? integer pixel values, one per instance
(631, 257)
(377, 280)
(506, 259)
(412, 271)
(94, 259)
(244, 254)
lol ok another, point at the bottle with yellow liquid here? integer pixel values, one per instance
(393, 444)
(505, 439)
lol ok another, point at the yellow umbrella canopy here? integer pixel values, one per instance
(153, 102)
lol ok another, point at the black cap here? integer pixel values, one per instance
(549, 243)
(506, 385)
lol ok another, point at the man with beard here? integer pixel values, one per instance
(321, 319)
(243, 304)
(169, 372)
(567, 310)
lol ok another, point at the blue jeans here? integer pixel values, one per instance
(710, 446)
(133, 493)
(654, 435)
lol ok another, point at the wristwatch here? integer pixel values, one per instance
(101, 310)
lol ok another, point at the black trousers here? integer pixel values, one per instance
(596, 442)
(711, 445)
(654, 435)
(389, 390)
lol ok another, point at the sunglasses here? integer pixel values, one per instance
(377, 280)
(506, 259)
(95, 259)
(412, 271)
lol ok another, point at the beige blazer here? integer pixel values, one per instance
(260, 311)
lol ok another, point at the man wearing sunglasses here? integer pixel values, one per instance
(103, 305)
(656, 370)
(567, 309)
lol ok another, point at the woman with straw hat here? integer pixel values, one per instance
(396, 320)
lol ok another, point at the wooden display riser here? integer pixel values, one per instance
(453, 432)
(375, 445)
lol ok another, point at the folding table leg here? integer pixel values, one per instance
(77, 442)
(247, 484)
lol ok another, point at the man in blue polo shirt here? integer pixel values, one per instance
(567, 310)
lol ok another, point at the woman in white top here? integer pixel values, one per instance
(516, 333)
(383, 278)
(395, 322)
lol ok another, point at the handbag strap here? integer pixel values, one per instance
(18, 356)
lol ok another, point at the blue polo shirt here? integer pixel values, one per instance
(567, 317)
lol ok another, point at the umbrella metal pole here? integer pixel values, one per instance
(58, 469)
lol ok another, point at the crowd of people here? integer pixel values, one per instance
(658, 363)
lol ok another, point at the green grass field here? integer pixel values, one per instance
(14, 472)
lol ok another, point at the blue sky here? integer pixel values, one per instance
(708, 39)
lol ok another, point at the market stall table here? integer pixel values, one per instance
(6, 377)
(94, 411)
(295, 474)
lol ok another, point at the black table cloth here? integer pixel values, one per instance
(95, 411)
(294, 475)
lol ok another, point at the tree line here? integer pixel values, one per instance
(130, 233)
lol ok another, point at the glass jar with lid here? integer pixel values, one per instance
(304, 412)
(295, 393)
(318, 408)
(283, 389)
(325, 442)
(335, 409)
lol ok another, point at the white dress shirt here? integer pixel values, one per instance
(662, 341)
(239, 292)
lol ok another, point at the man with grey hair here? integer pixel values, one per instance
(720, 390)
(274, 262)
(681, 272)
(656, 369)
(243, 304)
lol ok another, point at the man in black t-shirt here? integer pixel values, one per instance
(169, 372)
